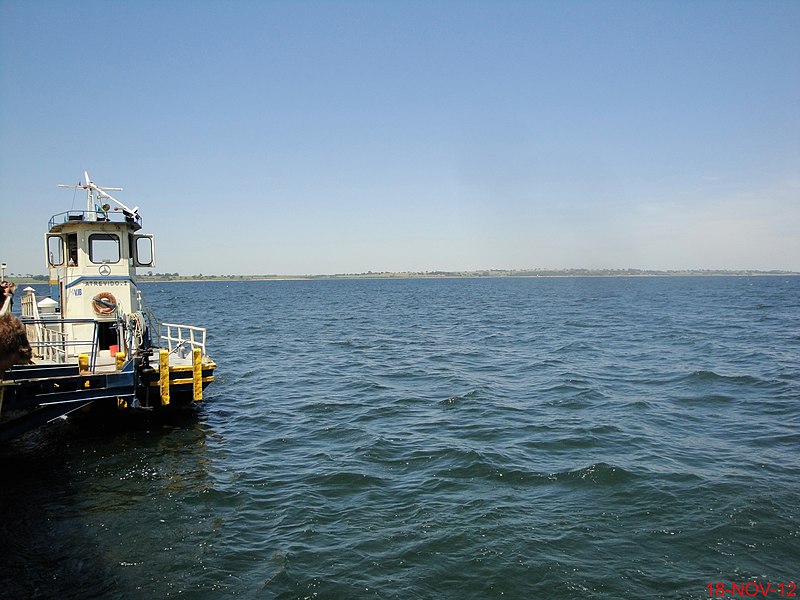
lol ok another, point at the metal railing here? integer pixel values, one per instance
(51, 343)
(180, 339)
(29, 306)
(183, 338)
(113, 215)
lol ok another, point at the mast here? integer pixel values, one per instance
(94, 193)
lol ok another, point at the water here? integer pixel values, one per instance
(448, 439)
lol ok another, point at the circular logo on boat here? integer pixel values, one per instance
(105, 270)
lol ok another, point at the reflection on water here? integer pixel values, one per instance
(87, 508)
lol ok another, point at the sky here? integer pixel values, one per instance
(322, 137)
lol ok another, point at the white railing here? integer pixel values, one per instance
(29, 306)
(51, 343)
(183, 338)
(48, 344)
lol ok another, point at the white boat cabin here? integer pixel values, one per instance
(92, 257)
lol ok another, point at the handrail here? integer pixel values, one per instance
(174, 336)
(114, 215)
(179, 336)
(29, 306)
(53, 343)
(50, 345)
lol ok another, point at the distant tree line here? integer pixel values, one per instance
(18, 278)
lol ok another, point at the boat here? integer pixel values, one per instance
(97, 347)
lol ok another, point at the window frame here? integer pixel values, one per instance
(104, 237)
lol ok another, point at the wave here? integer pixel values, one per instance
(459, 399)
(704, 376)
(347, 480)
(598, 473)
(707, 399)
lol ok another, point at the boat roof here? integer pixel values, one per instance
(74, 217)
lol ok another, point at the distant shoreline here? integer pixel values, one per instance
(479, 274)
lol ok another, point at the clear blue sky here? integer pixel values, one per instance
(263, 137)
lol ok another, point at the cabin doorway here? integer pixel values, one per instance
(107, 335)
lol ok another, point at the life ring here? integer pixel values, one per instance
(104, 303)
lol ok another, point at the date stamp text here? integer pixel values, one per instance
(751, 589)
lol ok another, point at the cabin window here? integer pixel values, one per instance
(72, 249)
(104, 248)
(143, 251)
(55, 250)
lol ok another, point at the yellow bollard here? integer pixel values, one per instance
(120, 358)
(83, 362)
(163, 376)
(197, 374)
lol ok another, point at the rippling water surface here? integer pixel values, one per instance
(518, 438)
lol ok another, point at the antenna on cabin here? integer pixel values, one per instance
(93, 190)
